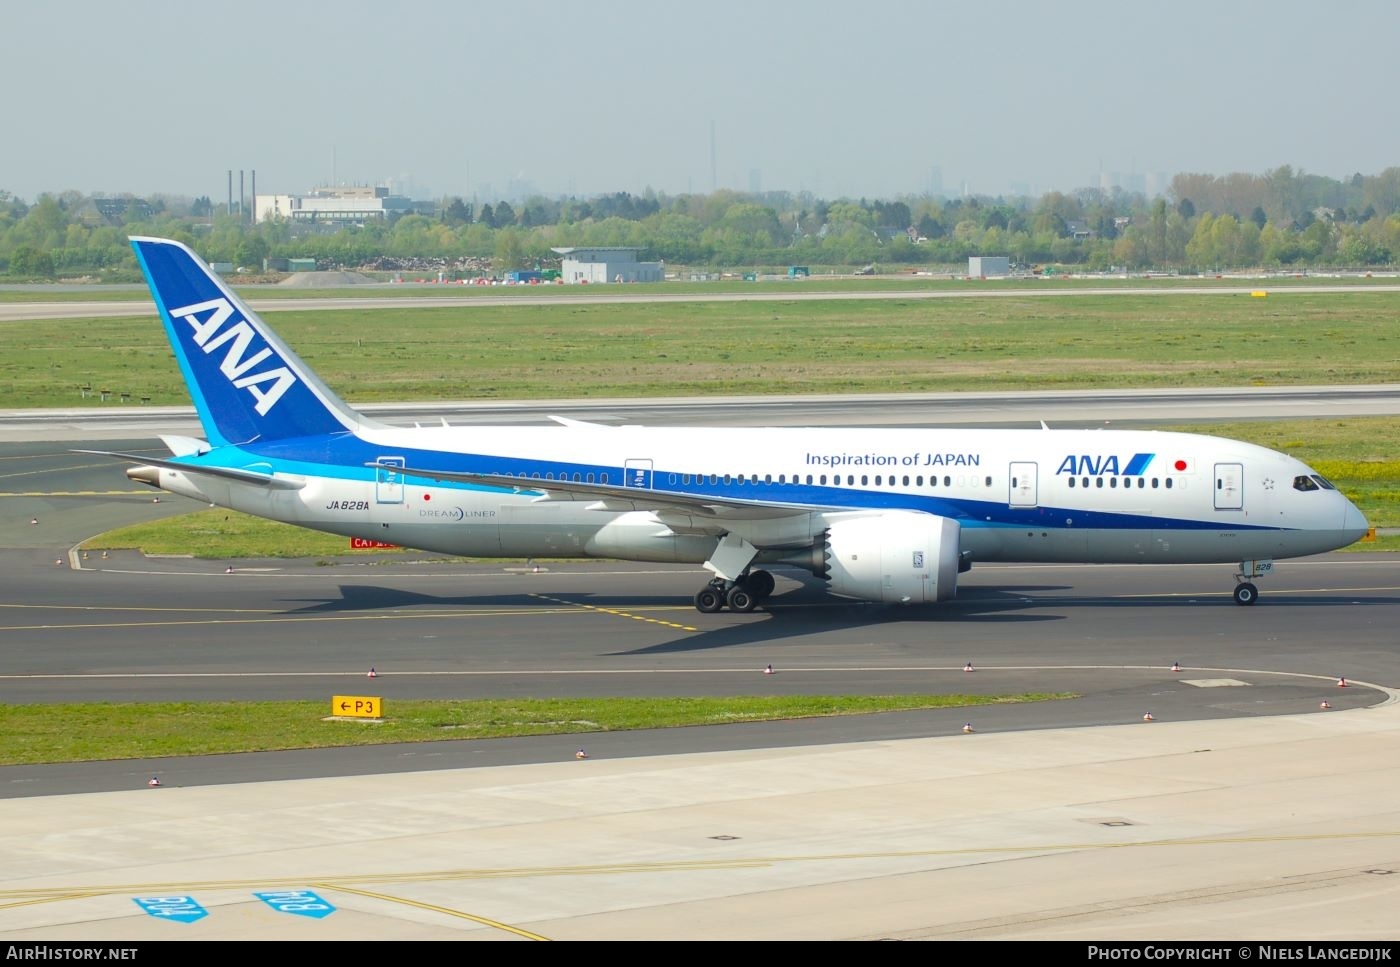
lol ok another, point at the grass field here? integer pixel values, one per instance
(100, 731)
(728, 348)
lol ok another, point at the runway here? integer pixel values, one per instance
(468, 296)
(1242, 809)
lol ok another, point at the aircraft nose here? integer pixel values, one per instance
(1354, 523)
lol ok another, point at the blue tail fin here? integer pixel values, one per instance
(246, 384)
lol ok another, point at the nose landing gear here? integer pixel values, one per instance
(1245, 591)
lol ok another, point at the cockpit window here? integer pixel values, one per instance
(1304, 482)
(1323, 481)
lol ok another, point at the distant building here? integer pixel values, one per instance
(336, 206)
(112, 211)
(607, 264)
(986, 266)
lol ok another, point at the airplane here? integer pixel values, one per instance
(889, 515)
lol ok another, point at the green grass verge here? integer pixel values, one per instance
(103, 731)
(742, 347)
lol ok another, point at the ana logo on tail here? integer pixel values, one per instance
(207, 323)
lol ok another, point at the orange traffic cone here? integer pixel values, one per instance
(33, 520)
(967, 667)
(154, 781)
(1325, 704)
(1341, 683)
(1176, 666)
(768, 670)
(1147, 717)
(968, 728)
(229, 569)
(372, 674)
(580, 754)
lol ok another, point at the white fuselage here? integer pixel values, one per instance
(1018, 495)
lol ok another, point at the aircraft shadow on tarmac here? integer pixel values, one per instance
(806, 609)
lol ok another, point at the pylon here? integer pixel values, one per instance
(1325, 704)
(229, 569)
(967, 667)
(1147, 717)
(33, 520)
(372, 674)
(1341, 683)
(580, 754)
(768, 670)
(1176, 666)
(968, 727)
(153, 782)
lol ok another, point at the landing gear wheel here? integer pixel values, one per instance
(760, 584)
(741, 599)
(1246, 593)
(708, 600)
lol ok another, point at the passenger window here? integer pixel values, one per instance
(1169, 483)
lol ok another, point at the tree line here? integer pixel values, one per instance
(1282, 219)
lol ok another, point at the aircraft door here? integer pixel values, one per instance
(1229, 486)
(1024, 485)
(637, 473)
(388, 480)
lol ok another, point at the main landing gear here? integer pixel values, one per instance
(1245, 591)
(744, 594)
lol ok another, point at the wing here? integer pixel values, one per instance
(612, 497)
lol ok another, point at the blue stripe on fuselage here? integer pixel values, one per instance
(346, 457)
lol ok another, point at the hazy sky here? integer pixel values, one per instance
(839, 97)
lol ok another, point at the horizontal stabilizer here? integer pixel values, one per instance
(185, 446)
(194, 469)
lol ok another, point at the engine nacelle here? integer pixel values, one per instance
(900, 557)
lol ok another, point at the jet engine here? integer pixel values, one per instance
(900, 557)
